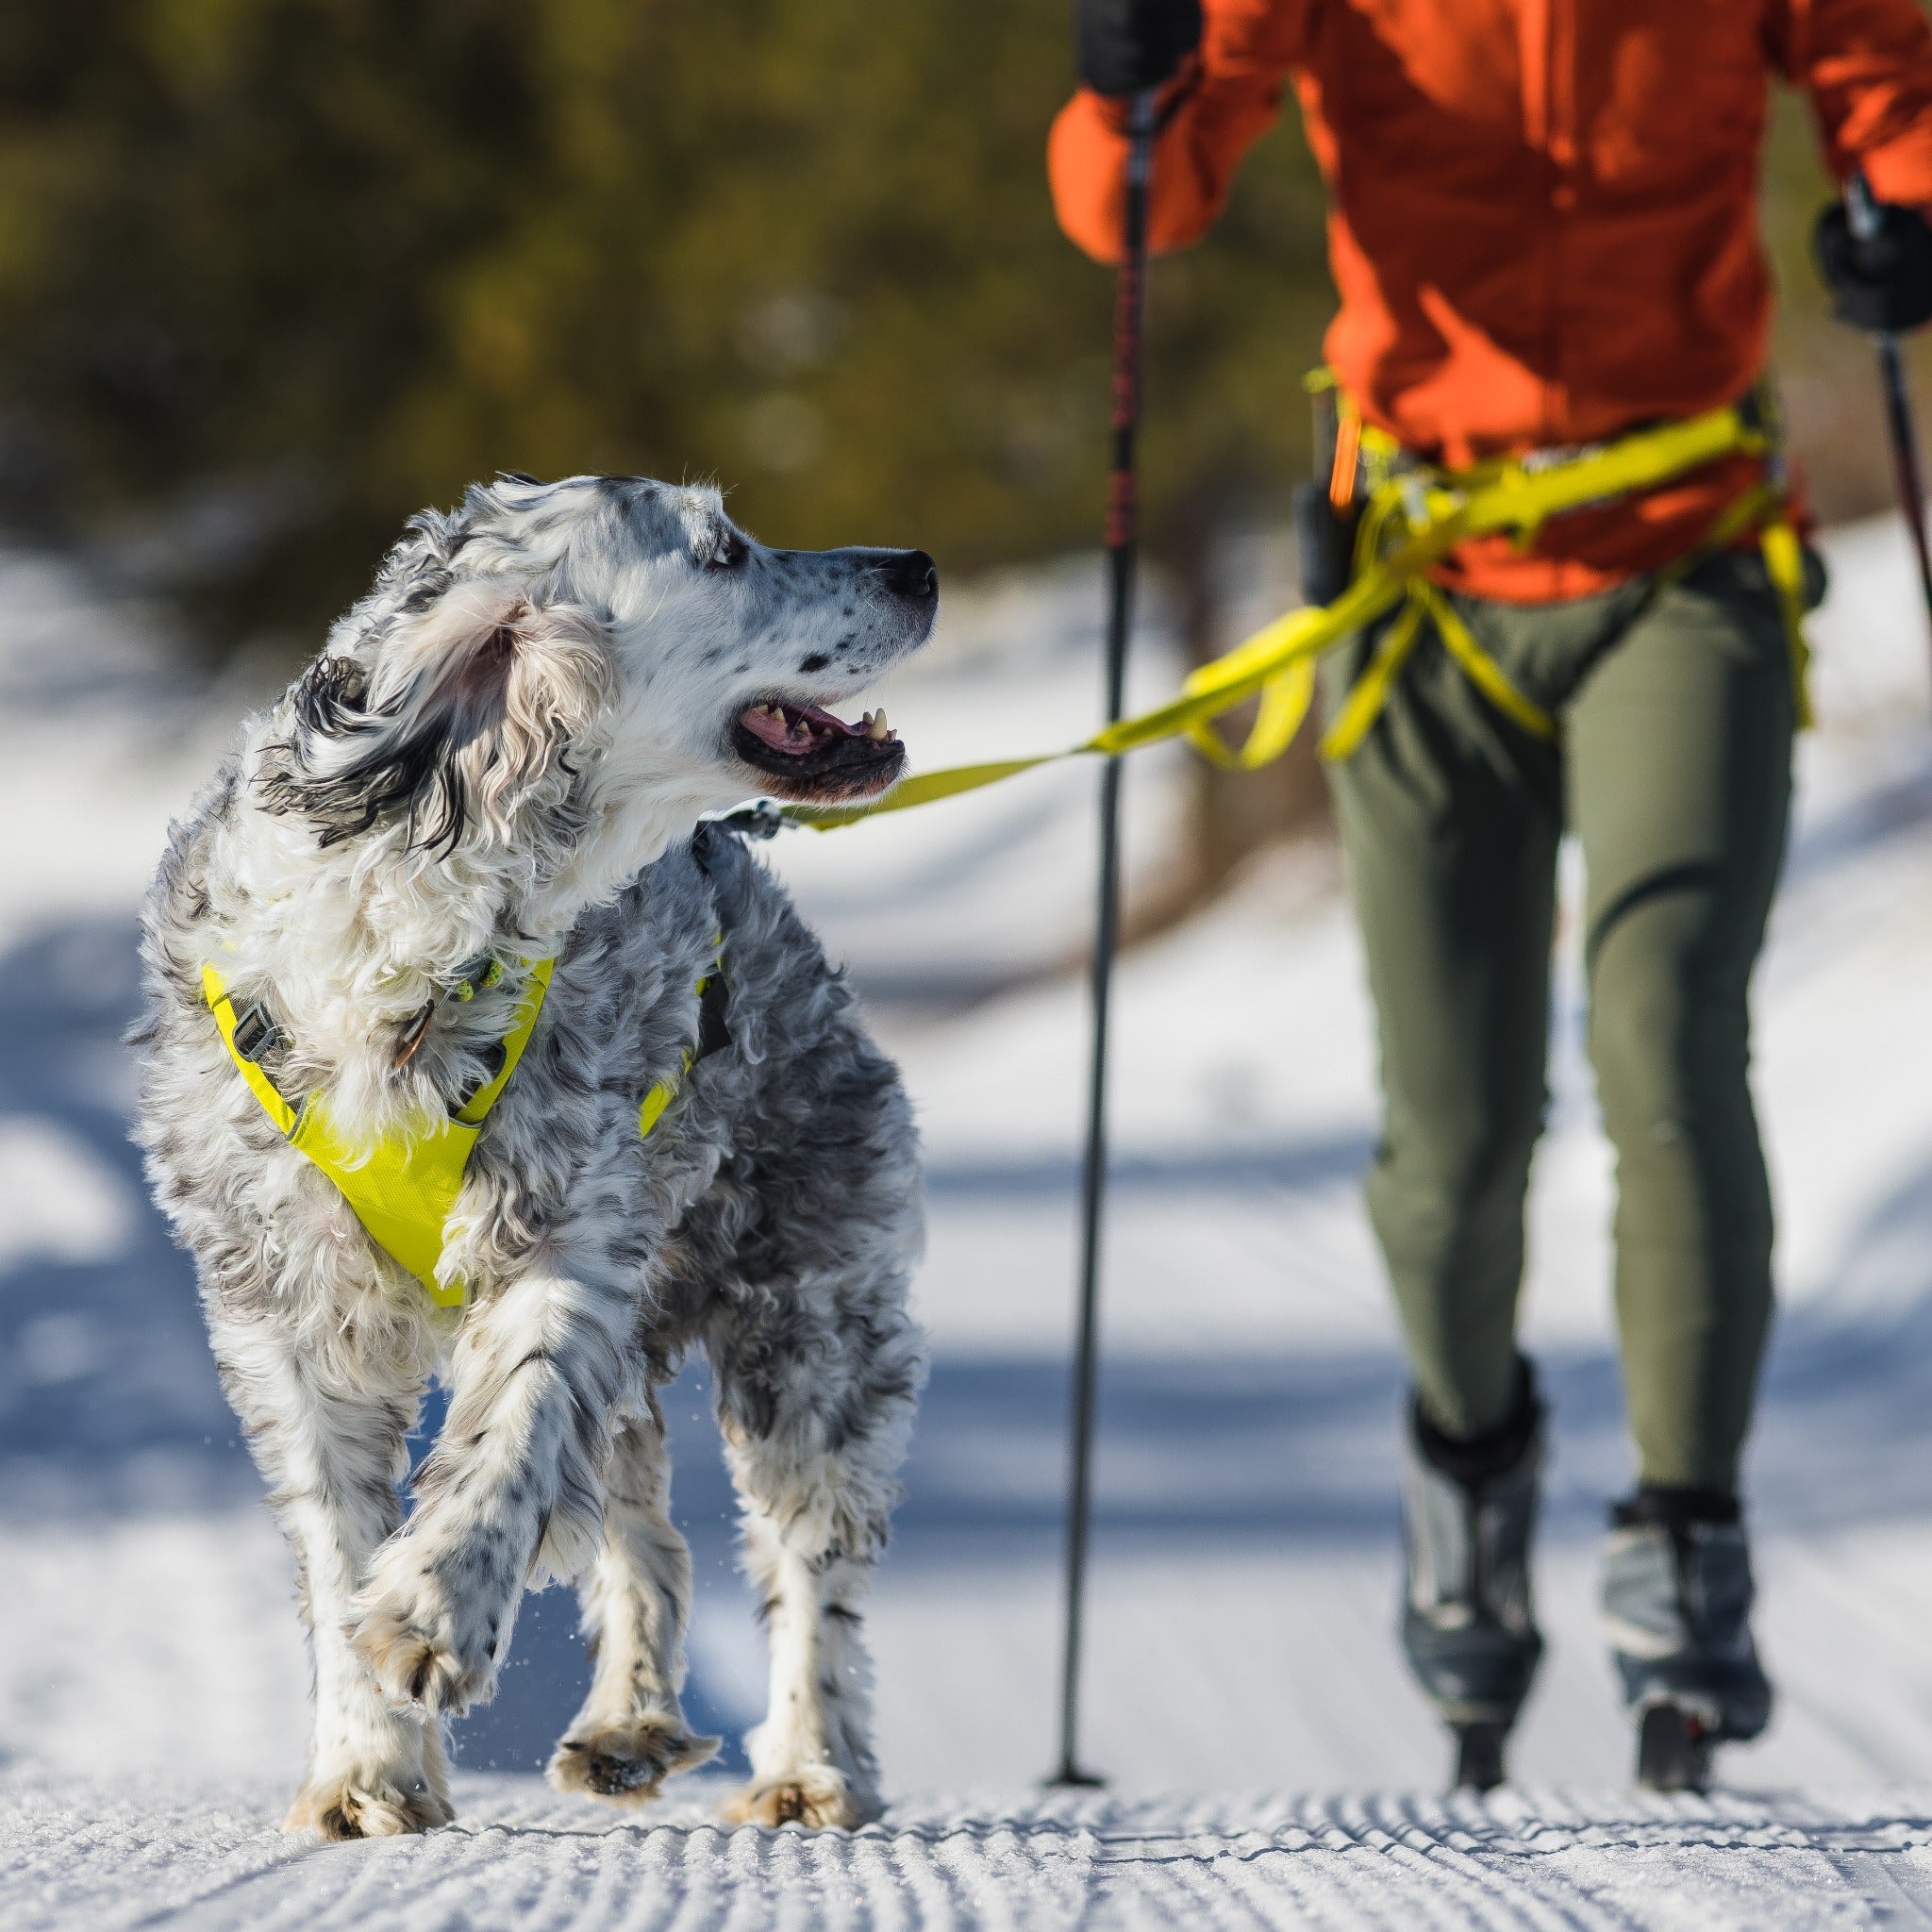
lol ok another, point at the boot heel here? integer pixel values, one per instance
(1674, 1751)
(1479, 1757)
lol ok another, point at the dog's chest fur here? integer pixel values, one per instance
(561, 1159)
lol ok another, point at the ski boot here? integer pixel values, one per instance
(1677, 1593)
(1468, 1624)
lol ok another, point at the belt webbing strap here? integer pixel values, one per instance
(1759, 507)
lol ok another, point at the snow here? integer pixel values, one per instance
(1243, 1690)
(156, 1853)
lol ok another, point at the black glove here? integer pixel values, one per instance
(1884, 283)
(1128, 46)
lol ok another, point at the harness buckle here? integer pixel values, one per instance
(255, 1033)
(1553, 456)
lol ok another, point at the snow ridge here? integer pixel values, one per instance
(153, 1856)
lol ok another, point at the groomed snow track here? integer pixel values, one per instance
(72, 1856)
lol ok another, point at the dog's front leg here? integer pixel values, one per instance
(325, 1424)
(537, 1376)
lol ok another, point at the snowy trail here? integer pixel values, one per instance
(1596, 1862)
(152, 1688)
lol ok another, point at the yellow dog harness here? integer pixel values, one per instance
(403, 1188)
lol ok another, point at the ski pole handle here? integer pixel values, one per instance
(1862, 217)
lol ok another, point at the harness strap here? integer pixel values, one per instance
(1408, 528)
(403, 1188)
(1482, 670)
(1760, 508)
(713, 993)
(1370, 691)
(214, 991)
(1784, 563)
(475, 1110)
(1285, 702)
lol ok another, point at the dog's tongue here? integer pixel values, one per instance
(793, 727)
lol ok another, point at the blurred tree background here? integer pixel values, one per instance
(275, 272)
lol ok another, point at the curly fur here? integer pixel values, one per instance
(507, 749)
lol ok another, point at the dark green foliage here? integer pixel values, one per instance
(275, 272)
(281, 270)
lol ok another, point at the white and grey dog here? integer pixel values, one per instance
(503, 757)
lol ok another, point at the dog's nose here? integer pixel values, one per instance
(912, 574)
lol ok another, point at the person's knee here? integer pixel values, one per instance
(1446, 1200)
(1468, 1147)
(1669, 1041)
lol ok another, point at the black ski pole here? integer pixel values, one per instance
(1861, 213)
(1122, 534)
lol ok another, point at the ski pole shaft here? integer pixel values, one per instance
(1123, 538)
(1861, 212)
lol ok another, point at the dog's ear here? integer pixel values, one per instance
(465, 717)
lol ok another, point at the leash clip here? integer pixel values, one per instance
(760, 819)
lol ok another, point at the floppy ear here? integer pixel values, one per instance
(465, 717)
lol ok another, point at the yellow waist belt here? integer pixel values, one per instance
(403, 1188)
(1405, 497)
(1411, 522)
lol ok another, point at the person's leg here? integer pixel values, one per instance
(1679, 769)
(1680, 774)
(1449, 820)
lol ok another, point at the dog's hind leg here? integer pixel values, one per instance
(631, 1733)
(816, 1411)
(326, 1423)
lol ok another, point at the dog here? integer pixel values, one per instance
(481, 828)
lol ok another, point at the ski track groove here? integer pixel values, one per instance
(145, 1859)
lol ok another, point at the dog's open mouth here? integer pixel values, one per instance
(816, 758)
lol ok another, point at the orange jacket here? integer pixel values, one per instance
(1544, 220)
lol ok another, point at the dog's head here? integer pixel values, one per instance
(571, 650)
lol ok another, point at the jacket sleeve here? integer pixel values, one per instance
(1867, 65)
(1215, 112)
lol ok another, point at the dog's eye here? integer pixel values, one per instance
(728, 552)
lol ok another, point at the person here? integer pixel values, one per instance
(1543, 231)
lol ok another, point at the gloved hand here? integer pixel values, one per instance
(1882, 284)
(1126, 46)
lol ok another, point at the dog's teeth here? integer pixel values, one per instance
(877, 727)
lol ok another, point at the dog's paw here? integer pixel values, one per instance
(816, 1799)
(627, 1762)
(375, 1805)
(413, 1650)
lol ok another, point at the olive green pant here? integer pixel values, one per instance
(1672, 769)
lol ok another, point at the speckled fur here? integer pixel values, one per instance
(507, 749)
